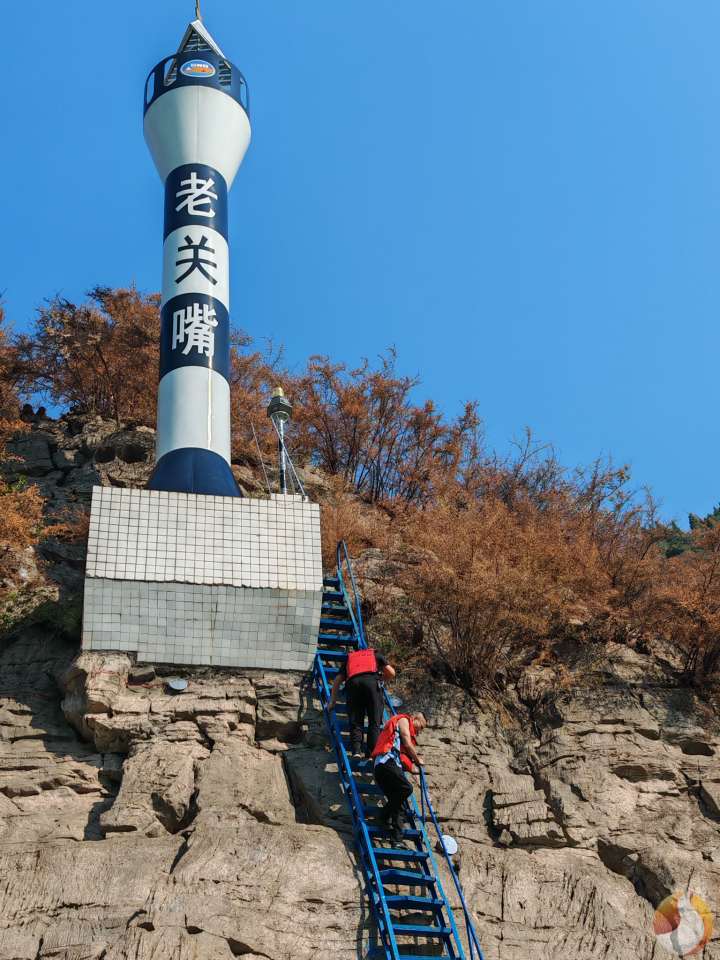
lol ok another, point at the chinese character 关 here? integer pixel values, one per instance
(198, 193)
(195, 260)
(194, 328)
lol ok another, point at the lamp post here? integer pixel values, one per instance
(280, 411)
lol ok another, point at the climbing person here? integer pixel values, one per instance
(394, 755)
(362, 675)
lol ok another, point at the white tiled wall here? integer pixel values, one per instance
(187, 538)
(202, 624)
(183, 578)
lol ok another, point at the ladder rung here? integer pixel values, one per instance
(411, 856)
(368, 788)
(334, 596)
(346, 641)
(361, 766)
(430, 904)
(408, 878)
(339, 655)
(343, 626)
(331, 582)
(421, 956)
(413, 930)
(383, 833)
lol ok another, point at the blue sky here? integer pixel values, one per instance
(522, 197)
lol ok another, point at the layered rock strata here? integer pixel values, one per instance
(139, 824)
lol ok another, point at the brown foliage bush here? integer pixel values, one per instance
(488, 552)
(99, 357)
(253, 376)
(345, 516)
(509, 559)
(522, 552)
(21, 521)
(360, 425)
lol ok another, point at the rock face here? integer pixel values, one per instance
(64, 459)
(135, 823)
(140, 825)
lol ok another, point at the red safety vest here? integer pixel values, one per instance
(386, 740)
(361, 661)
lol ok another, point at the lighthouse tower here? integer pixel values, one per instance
(187, 571)
(197, 129)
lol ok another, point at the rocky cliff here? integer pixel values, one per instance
(135, 823)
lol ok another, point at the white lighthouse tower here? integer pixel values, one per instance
(197, 129)
(187, 571)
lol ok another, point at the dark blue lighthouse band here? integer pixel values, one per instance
(195, 332)
(196, 195)
(196, 68)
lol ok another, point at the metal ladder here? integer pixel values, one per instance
(413, 915)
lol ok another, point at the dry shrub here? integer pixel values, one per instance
(21, 523)
(491, 552)
(360, 425)
(520, 551)
(21, 520)
(99, 357)
(344, 516)
(253, 376)
(686, 604)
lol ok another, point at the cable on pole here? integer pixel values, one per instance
(261, 458)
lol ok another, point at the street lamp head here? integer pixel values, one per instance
(279, 408)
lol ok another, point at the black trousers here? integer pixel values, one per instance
(397, 788)
(363, 694)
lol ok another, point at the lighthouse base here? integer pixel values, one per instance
(183, 578)
(194, 470)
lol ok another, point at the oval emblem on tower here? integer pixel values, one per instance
(197, 68)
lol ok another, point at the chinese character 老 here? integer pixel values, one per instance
(194, 328)
(198, 193)
(195, 260)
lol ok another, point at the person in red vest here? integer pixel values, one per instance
(394, 755)
(363, 675)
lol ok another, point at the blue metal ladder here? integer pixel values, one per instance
(407, 898)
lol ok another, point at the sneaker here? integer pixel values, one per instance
(398, 841)
(357, 755)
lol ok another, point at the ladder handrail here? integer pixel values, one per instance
(470, 927)
(342, 549)
(421, 819)
(368, 862)
(359, 825)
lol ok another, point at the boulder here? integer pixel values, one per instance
(710, 792)
(240, 782)
(92, 684)
(34, 453)
(278, 711)
(158, 785)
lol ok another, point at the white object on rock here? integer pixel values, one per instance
(450, 844)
